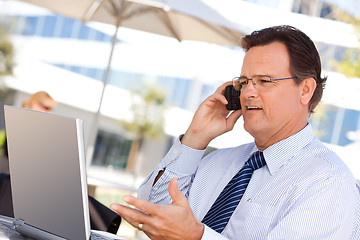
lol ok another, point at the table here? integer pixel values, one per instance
(6, 233)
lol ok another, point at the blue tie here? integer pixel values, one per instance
(222, 209)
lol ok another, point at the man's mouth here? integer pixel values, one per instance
(253, 108)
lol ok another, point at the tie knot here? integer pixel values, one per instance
(256, 160)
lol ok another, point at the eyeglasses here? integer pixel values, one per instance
(259, 82)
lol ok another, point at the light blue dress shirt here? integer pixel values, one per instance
(304, 192)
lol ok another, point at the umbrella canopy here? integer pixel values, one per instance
(180, 19)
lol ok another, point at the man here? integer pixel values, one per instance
(299, 188)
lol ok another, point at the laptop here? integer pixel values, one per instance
(48, 175)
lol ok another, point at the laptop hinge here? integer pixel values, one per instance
(34, 232)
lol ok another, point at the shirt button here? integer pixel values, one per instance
(249, 200)
(155, 188)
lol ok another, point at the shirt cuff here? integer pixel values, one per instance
(210, 234)
(182, 158)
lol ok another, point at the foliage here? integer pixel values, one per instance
(148, 112)
(6, 54)
(319, 117)
(350, 63)
(148, 118)
(2, 141)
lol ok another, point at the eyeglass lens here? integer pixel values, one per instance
(240, 83)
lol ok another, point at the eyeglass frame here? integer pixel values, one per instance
(248, 79)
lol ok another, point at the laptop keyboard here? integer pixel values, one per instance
(97, 236)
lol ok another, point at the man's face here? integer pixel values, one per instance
(273, 113)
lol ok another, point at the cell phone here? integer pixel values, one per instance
(233, 98)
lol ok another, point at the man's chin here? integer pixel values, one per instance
(254, 129)
(251, 127)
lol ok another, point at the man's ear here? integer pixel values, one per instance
(307, 88)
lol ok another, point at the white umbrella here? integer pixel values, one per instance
(180, 19)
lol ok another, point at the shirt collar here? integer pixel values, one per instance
(279, 153)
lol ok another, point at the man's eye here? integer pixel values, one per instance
(242, 83)
(264, 80)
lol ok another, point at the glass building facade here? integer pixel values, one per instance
(332, 124)
(57, 26)
(110, 148)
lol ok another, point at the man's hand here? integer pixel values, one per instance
(175, 221)
(210, 120)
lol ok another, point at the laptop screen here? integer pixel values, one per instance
(47, 170)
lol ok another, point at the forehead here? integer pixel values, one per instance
(44, 101)
(272, 59)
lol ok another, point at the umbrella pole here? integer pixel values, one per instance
(95, 122)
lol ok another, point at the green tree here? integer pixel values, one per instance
(148, 107)
(350, 63)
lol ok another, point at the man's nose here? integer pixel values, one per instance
(250, 89)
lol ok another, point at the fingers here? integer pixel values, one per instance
(210, 120)
(218, 97)
(131, 215)
(175, 192)
(173, 189)
(174, 221)
(221, 88)
(232, 119)
(219, 93)
(141, 204)
(149, 207)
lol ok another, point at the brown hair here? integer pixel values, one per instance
(304, 57)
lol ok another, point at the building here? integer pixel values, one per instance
(68, 59)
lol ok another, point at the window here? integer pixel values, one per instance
(111, 149)
(30, 26)
(349, 124)
(314, 8)
(49, 26)
(333, 124)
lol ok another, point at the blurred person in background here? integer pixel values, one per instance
(284, 185)
(39, 101)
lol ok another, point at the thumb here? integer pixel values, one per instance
(175, 192)
(232, 119)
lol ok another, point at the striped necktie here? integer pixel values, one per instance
(222, 209)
